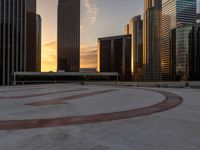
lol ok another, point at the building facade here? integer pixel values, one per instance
(13, 39)
(114, 55)
(186, 39)
(31, 6)
(126, 29)
(198, 18)
(136, 30)
(174, 14)
(38, 42)
(68, 35)
(152, 39)
(33, 46)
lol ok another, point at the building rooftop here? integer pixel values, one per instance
(114, 37)
(99, 117)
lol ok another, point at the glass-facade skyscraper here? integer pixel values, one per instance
(68, 35)
(136, 30)
(13, 38)
(174, 14)
(186, 44)
(152, 39)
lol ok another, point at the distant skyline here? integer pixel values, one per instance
(99, 18)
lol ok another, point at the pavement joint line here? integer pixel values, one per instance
(32, 88)
(171, 101)
(20, 89)
(42, 94)
(68, 98)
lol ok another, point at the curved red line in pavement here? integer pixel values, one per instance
(171, 101)
(42, 94)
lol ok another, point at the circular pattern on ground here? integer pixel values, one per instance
(171, 100)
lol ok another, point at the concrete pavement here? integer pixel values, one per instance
(174, 128)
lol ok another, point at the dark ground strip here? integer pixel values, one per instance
(171, 101)
(67, 98)
(42, 94)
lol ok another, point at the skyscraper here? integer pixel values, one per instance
(38, 42)
(33, 59)
(13, 38)
(126, 29)
(136, 30)
(198, 18)
(31, 6)
(68, 35)
(174, 14)
(186, 44)
(152, 39)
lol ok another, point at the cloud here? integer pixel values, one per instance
(88, 61)
(88, 49)
(89, 13)
(91, 52)
(51, 45)
(91, 10)
(49, 56)
(88, 56)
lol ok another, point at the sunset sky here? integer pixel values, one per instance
(99, 18)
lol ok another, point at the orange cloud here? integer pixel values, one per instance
(49, 56)
(88, 56)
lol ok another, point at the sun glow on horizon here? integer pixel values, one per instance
(49, 56)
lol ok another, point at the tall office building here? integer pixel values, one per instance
(186, 44)
(198, 18)
(114, 55)
(198, 13)
(13, 38)
(33, 47)
(126, 29)
(174, 14)
(68, 35)
(136, 30)
(38, 42)
(152, 39)
(31, 6)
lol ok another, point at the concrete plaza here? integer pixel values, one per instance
(98, 117)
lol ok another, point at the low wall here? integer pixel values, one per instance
(191, 84)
